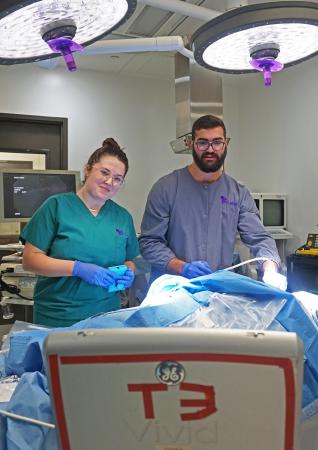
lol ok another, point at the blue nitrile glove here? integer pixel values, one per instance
(93, 274)
(126, 279)
(196, 269)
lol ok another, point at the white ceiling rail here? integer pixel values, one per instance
(139, 45)
(186, 9)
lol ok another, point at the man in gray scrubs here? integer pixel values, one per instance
(193, 214)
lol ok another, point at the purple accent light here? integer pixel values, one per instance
(66, 47)
(267, 66)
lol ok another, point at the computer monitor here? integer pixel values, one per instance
(274, 211)
(22, 191)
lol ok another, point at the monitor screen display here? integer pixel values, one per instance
(24, 191)
(273, 212)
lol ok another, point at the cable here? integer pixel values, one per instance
(27, 419)
(22, 296)
(247, 262)
(11, 288)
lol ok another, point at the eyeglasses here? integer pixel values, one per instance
(217, 145)
(117, 180)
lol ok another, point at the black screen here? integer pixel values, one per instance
(273, 212)
(25, 193)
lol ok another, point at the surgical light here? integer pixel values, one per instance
(32, 30)
(265, 37)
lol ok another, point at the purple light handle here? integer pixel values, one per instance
(267, 74)
(66, 47)
(267, 67)
(69, 60)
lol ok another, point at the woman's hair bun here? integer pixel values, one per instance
(109, 148)
(110, 141)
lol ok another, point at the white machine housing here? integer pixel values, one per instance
(175, 388)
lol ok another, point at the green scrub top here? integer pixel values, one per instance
(64, 228)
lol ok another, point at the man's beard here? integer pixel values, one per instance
(209, 167)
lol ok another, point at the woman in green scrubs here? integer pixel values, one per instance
(72, 239)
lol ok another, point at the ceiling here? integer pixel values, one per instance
(148, 21)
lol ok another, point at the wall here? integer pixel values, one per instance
(138, 112)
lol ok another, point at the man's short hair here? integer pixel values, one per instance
(206, 122)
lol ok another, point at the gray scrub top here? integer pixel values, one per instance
(193, 221)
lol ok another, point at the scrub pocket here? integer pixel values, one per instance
(120, 246)
(230, 214)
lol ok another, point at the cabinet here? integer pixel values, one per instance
(302, 273)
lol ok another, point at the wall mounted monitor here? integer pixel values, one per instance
(23, 191)
(272, 209)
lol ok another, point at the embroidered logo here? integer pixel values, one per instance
(226, 201)
(120, 232)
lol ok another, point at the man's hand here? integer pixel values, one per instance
(275, 279)
(196, 269)
(272, 277)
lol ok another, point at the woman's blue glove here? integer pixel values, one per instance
(126, 279)
(93, 274)
(196, 269)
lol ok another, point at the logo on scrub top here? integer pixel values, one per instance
(226, 201)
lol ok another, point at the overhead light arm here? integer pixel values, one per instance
(139, 45)
(180, 7)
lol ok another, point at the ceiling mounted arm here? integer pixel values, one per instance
(139, 45)
(180, 7)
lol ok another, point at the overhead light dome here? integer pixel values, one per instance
(27, 26)
(278, 34)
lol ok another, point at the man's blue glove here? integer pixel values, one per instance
(196, 269)
(93, 274)
(126, 279)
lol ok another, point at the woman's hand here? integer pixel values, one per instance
(127, 279)
(93, 274)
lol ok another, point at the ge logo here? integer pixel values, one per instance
(170, 372)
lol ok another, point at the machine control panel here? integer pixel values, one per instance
(311, 246)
